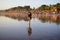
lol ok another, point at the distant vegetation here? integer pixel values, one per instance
(19, 8)
(43, 9)
(46, 7)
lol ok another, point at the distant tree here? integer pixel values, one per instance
(44, 7)
(58, 6)
(27, 7)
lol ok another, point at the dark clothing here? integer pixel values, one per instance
(29, 15)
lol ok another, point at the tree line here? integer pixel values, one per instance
(46, 7)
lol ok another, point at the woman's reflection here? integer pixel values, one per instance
(29, 28)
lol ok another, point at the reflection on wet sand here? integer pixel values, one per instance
(29, 29)
(42, 27)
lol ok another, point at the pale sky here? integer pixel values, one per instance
(6, 4)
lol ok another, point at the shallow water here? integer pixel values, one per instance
(35, 29)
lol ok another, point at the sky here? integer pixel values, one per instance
(6, 4)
